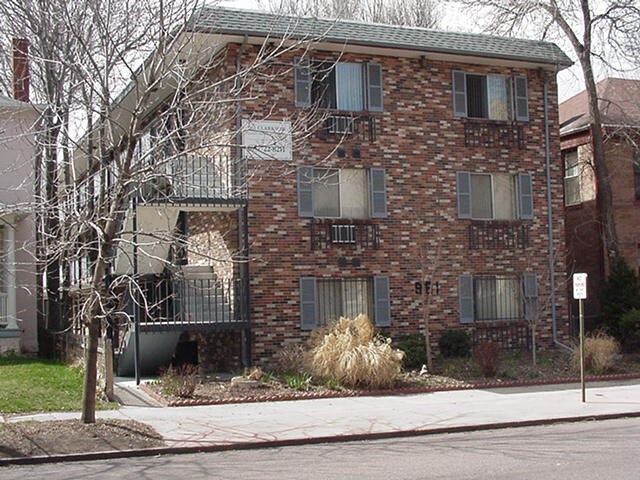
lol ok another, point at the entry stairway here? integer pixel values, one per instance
(193, 299)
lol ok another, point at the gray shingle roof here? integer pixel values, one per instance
(253, 23)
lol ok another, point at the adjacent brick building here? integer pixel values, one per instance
(620, 110)
(396, 159)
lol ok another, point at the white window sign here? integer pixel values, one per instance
(579, 286)
(267, 140)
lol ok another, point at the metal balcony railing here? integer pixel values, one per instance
(170, 303)
(197, 178)
(498, 235)
(341, 233)
(493, 134)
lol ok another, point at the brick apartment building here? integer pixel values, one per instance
(620, 109)
(402, 155)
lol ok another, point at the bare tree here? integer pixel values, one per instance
(159, 104)
(596, 32)
(415, 13)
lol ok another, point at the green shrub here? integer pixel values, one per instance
(454, 344)
(620, 294)
(630, 330)
(415, 351)
(300, 382)
(179, 381)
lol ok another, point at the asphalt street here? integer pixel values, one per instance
(581, 451)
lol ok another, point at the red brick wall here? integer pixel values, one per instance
(583, 233)
(421, 146)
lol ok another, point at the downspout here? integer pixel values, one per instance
(243, 220)
(552, 275)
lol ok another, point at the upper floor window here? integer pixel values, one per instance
(352, 87)
(494, 196)
(572, 193)
(495, 97)
(341, 193)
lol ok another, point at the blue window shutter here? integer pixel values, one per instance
(308, 303)
(459, 82)
(465, 297)
(378, 192)
(374, 87)
(381, 301)
(305, 191)
(302, 81)
(521, 98)
(530, 294)
(525, 196)
(463, 193)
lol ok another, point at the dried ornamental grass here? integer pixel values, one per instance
(349, 352)
(600, 351)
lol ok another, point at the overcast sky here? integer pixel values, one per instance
(569, 80)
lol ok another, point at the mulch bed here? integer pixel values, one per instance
(58, 437)
(461, 374)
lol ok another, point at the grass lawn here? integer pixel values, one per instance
(35, 385)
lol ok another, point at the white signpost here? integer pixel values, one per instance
(580, 294)
(267, 140)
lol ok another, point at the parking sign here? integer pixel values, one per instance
(579, 286)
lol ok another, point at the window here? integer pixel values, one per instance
(572, 194)
(351, 87)
(343, 298)
(498, 297)
(636, 174)
(323, 300)
(341, 193)
(494, 196)
(495, 97)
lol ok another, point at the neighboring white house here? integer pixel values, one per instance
(18, 320)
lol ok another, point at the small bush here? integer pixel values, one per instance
(290, 358)
(488, 356)
(349, 352)
(415, 351)
(179, 381)
(455, 344)
(630, 330)
(620, 294)
(300, 382)
(600, 351)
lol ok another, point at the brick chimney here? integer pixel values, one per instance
(21, 69)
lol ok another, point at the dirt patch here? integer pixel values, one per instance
(219, 390)
(29, 439)
(461, 373)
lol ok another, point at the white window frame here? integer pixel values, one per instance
(575, 177)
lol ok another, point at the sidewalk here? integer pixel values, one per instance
(313, 421)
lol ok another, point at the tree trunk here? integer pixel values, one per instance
(604, 194)
(90, 372)
(426, 303)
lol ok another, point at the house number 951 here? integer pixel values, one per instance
(426, 287)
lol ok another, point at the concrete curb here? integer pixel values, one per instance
(378, 393)
(150, 452)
